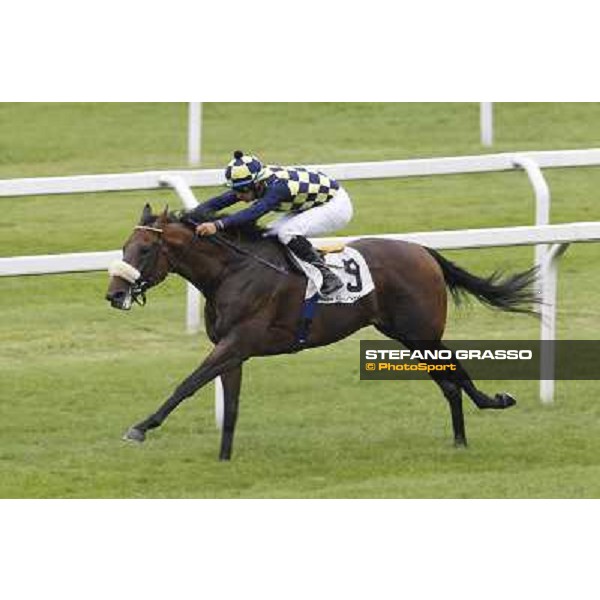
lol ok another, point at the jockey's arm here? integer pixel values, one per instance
(214, 204)
(273, 196)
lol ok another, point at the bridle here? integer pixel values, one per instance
(143, 282)
(139, 287)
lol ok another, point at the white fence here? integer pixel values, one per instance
(565, 233)
(148, 180)
(182, 182)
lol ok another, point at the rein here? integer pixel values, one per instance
(225, 242)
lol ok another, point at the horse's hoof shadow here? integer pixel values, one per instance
(505, 400)
(134, 435)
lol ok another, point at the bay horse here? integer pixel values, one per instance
(254, 301)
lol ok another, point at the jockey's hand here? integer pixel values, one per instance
(206, 229)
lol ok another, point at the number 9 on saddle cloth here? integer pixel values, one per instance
(350, 266)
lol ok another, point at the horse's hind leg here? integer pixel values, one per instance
(481, 400)
(453, 394)
(462, 378)
(451, 389)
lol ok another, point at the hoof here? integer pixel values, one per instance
(505, 400)
(460, 443)
(134, 435)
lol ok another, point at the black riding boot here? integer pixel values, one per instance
(304, 250)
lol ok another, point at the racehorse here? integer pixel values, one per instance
(254, 299)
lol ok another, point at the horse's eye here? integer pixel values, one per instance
(144, 251)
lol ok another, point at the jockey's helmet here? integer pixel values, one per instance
(242, 171)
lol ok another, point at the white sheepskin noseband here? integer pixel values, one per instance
(119, 268)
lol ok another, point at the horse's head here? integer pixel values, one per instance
(144, 263)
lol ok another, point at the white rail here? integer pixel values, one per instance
(43, 264)
(183, 181)
(148, 180)
(565, 233)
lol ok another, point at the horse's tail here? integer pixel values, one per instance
(515, 293)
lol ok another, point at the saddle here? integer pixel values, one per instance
(334, 248)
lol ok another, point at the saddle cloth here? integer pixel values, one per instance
(350, 267)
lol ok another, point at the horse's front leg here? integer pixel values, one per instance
(232, 381)
(222, 359)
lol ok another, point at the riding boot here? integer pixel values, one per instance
(305, 251)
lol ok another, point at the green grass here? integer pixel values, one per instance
(75, 374)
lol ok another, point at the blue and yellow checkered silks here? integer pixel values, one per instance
(307, 188)
(242, 170)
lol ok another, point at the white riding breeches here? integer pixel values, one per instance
(326, 218)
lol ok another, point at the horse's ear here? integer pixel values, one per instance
(146, 214)
(164, 216)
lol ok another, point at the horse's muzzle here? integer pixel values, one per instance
(121, 299)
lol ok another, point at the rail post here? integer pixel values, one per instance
(486, 122)
(549, 272)
(185, 193)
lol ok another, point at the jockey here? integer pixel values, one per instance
(312, 202)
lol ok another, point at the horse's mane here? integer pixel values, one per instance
(249, 231)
